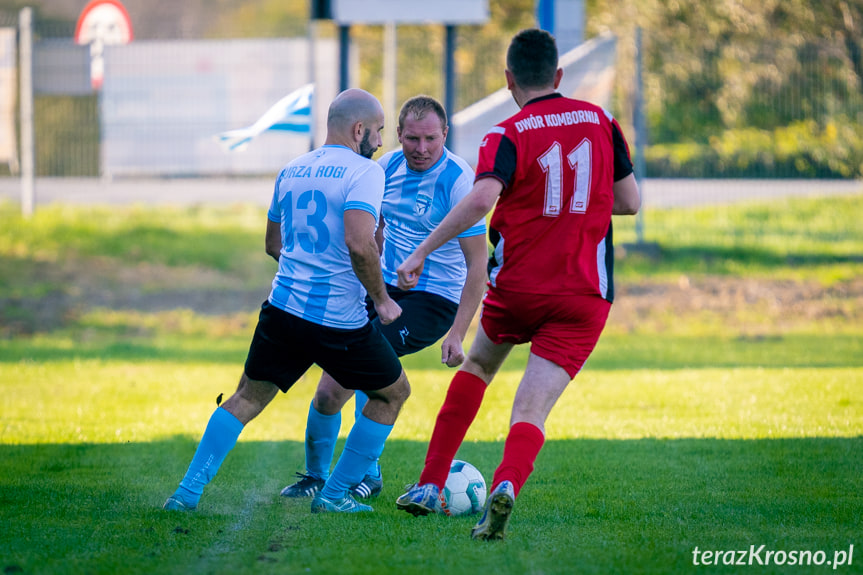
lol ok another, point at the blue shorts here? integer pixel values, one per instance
(425, 318)
(285, 346)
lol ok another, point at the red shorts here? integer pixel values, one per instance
(563, 329)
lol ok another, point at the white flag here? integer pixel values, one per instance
(292, 113)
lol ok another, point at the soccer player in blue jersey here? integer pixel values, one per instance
(321, 226)
(424, 181)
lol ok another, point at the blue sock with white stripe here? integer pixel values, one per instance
(364, 446)
(322, 431)
(219, 438)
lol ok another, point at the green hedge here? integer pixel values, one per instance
(801, 150)
(67, 135)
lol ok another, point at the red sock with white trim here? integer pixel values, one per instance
(520, 451)
(463, 400)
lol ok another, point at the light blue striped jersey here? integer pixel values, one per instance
(315, 280)
(414, 204)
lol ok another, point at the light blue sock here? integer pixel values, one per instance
(322, 431)
(219, 438)
(361, 400)
(363, 447)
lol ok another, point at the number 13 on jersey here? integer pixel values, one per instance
(578, 160)
(314, 237)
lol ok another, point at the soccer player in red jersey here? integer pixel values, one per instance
(558, 170)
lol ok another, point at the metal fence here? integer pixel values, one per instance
(778, 111)
(779, 117)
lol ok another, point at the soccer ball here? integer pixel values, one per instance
(464, 492)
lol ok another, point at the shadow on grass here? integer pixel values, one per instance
(614, 352)
(124, 350)
(706, 258)
(602, 505)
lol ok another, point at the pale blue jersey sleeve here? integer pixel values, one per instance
(385, 160)
(366, 192)
(461, 188)
(274, 214)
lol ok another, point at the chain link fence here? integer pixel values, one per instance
(773, 111)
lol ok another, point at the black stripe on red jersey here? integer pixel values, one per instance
(504, 163)
(609, 263)
(622, 162)
(493, 238)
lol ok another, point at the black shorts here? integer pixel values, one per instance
(425, 318)
(285, 346)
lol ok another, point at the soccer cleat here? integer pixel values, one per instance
(348, 504)
(368, 487)
(495, 516)
(419, 499)
(307, 486)
(174, 503)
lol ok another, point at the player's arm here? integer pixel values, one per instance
(475, 249)
(366, 262)
(273, 241)
(627, 199)
(465, 214)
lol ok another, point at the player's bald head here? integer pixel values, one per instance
(352, 106)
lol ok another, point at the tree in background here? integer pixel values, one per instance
(744, 87)
(732, 87)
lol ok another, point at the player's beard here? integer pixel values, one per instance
(367, 150)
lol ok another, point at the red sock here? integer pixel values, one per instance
(463, 399)
(519, 454)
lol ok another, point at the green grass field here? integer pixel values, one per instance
(708, 426)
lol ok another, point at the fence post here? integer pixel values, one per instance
(449, 96)
(640, 126)
(391, 46)
(25, 49)
(311, 39)
(344, 57)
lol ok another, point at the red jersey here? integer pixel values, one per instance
(558, 159)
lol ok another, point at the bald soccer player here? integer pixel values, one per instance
(321, 230)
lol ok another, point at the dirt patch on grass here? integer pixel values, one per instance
(756, 302)
(60, 294)
(47, 296)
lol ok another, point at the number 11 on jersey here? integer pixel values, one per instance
(578, 160)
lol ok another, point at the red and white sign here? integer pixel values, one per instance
(102, 23)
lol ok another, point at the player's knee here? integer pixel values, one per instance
(396, 393)
(327, 403)
(247, 403)
(255, 392)
(330, 397)
(401, 389)
(484, 370)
